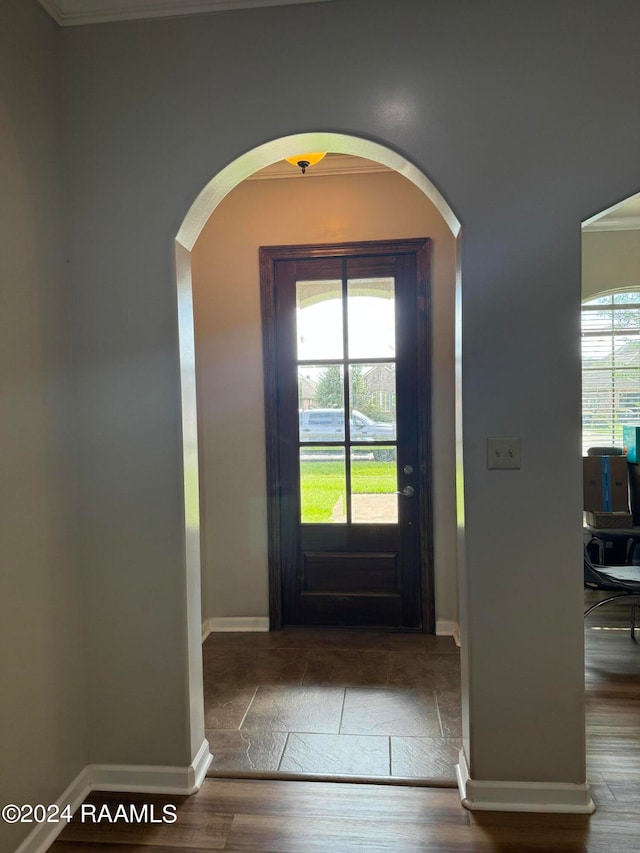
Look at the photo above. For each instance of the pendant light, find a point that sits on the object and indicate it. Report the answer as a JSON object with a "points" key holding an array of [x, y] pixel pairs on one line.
{"points": [[306, 160]]}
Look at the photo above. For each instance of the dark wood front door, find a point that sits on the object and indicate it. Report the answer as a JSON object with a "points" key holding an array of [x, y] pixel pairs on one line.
{"points": [[347, 422]]}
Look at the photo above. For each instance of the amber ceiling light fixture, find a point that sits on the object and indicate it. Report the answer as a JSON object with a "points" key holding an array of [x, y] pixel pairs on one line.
{"points": [[306, 160]]}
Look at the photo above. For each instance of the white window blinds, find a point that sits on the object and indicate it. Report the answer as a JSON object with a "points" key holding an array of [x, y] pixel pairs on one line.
{"points": [[610, 367]]}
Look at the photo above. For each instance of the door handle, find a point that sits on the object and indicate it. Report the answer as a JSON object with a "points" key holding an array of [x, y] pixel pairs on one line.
{"points": [[408, 492]]}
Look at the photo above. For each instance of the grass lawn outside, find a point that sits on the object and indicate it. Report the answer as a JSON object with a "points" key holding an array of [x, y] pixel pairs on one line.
{"points": [[322, 484]]}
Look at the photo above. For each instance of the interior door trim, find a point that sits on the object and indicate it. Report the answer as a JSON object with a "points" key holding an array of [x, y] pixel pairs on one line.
{"points": [[269, 256]]}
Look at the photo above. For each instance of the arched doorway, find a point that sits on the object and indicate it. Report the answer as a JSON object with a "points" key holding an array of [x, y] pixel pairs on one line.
{"points": [[207, 202]]}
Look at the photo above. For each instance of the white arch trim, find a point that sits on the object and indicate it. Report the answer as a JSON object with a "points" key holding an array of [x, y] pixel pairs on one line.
{"points": [[278, 149], [201, 209]]}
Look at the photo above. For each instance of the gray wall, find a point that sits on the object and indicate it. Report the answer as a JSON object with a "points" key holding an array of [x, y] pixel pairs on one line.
{"points": [[42, 713], [508, 109]]}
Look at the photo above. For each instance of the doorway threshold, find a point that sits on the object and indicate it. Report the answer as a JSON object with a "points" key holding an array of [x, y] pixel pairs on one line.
{"points": [[278, 776]]}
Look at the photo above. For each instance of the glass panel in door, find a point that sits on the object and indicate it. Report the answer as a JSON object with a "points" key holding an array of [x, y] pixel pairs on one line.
{"points": [[372, 401], [321, 402], [322, 485], [374, 486], [319, 310], [371, 317]]}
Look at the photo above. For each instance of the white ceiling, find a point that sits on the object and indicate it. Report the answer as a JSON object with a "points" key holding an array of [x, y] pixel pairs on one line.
{"points": [[621, 217], [69, 13]]}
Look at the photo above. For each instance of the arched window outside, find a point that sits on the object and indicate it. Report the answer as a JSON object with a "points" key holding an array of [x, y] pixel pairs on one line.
{"points": [[610, 367]]}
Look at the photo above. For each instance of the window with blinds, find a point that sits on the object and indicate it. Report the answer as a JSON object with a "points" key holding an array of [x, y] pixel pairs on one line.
{"points": [[610, 367]]}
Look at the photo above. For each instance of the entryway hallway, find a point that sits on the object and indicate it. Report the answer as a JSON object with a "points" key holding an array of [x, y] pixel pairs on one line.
{"points": [[368, 704]]}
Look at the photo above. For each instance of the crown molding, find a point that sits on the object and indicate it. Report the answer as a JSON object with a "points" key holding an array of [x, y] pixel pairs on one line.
{"points": [[72, 13], [621, 223], [333, 165]]}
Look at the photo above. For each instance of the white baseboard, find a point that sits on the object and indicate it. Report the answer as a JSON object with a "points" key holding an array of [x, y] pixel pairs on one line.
{"points": [[447, 628], [200, 765], [234, 623], [120, 777], [558, 797], [44, 834], [152, 779]]}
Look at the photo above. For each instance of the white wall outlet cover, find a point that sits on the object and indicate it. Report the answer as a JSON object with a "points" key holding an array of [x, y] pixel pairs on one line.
{"points": [[503, 453]]}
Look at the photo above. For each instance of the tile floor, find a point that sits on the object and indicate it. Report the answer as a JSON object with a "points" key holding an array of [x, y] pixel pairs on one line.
{"points": [[333, 703]]}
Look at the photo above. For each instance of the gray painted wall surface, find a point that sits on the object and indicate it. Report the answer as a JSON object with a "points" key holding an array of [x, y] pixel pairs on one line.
{"points": [[42, 712]]}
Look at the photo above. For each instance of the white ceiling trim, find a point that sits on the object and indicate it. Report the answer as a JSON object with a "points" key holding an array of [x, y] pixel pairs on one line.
{"points": [[622, 223], [71, 13], [332, 166]]}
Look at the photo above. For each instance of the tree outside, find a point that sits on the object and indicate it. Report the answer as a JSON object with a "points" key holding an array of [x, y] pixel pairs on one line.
{"points": [[330, 388], [330, 391]]}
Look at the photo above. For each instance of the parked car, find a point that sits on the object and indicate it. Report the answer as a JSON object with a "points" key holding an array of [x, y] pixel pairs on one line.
{"points": [[328, 425]]}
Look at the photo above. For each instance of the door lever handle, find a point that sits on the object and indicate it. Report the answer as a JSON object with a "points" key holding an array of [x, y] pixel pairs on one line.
{"points": [[408, 492]]}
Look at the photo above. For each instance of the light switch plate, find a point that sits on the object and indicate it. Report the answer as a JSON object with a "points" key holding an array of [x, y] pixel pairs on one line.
{"points": [[503, 453]]}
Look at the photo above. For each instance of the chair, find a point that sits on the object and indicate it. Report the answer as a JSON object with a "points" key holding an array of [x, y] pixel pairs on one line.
{"points": [[624, 581]]}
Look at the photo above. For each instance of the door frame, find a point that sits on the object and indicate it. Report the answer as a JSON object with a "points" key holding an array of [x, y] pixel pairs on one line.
{"points": [[269, 255]]}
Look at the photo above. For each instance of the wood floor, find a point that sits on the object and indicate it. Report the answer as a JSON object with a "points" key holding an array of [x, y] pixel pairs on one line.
{"points": [[612, 681], [258, 816], [363, 704]]}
